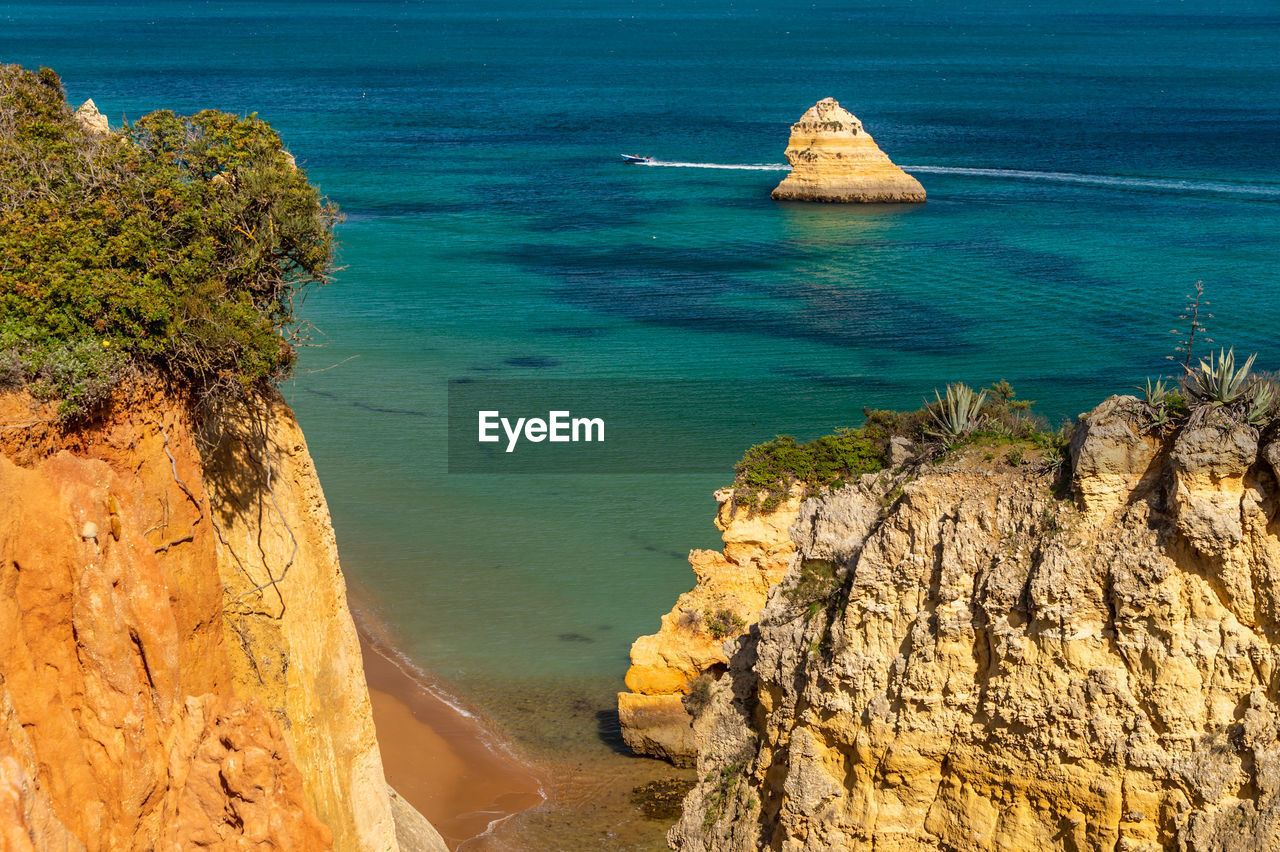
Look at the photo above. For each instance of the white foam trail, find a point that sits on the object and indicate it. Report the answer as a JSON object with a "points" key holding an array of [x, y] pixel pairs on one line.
{"points": [[1163, 184], [493, 826], [750, 167], [398, 659]]}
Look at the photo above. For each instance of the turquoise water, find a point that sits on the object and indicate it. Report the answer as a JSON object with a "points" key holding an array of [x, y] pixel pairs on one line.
{"points": [[1084, 170]]}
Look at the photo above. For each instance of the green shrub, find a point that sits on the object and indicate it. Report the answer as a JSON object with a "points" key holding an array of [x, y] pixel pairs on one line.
{"points": [[177, 244], [881, 425], [767, 471], [726, 782], [699, 695], [79, 372], [816, 583], [724, 623]]}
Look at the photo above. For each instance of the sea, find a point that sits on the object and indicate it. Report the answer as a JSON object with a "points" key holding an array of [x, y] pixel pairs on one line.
{"points": [[1086, 163]]}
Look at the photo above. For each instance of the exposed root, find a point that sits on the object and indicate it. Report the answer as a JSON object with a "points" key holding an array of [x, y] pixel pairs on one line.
{"points": [[173, 465], [272, 580]]}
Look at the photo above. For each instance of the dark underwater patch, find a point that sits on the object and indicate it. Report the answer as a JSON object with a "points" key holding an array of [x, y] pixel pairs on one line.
{"points": [[831, 380], [571, 331], [699, 289], [537, 362], [364, 406]]}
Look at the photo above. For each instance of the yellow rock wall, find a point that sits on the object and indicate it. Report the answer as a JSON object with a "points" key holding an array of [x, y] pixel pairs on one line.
{"points": [[980, 665], [293, 643], [833, 158], [730, 592]]}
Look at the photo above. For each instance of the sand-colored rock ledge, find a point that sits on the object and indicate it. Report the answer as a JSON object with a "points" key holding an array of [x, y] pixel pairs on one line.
{"points": [[834, 159], [727, 599]]}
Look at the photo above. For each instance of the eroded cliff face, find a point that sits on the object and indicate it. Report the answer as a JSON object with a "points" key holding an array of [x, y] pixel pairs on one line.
{"points": [[285, 608], [833, 158], [179, 667], [729, 594], [975, 664]]}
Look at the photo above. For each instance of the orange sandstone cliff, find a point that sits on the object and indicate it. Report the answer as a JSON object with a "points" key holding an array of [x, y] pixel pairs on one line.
{"points": [[178, 667], [833, 158]]}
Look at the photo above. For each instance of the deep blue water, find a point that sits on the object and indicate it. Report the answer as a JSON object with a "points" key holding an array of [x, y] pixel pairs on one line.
{"points": [[1085, 168]]}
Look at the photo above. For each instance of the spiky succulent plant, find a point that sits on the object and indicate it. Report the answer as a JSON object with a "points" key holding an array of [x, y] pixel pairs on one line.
{"points": [[1262, 402], [1155, 394], [1218, 381], [959, 412]]}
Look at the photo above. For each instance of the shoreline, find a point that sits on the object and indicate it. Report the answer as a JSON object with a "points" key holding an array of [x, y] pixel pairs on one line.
{"points": [[439, 756], [507, 783]]}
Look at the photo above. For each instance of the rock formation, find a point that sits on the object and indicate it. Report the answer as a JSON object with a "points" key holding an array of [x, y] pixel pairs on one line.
{"points": [[978, 664], [833, 159], [730, 592], [178, 668], [88, 117]]}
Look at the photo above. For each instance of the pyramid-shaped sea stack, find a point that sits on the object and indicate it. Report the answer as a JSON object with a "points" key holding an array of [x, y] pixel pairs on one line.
{"points": [[833, 159]]}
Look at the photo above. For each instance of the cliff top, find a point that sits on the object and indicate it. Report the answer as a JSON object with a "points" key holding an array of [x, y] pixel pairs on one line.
{"points": [[770, 472], [175, 244]]}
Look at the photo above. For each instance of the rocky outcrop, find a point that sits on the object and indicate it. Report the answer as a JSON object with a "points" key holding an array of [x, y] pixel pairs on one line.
{"points": [[730, 592], [413, 832], [833, 158], [179, 669], [977, 664], [88, 117]]}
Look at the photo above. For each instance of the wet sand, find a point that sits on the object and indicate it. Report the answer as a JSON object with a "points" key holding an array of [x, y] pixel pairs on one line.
{"points": [[442, 761], [567, 785]]}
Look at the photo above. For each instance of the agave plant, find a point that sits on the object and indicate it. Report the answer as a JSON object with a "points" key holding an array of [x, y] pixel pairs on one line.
{"points": [[959, 412], [1155, 394], [1218, 381], [1262, 402]]}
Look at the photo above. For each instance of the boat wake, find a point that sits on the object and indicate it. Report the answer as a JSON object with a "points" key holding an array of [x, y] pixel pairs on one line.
{"points": [[1263, 191], [750, 167], [1159, 184]]}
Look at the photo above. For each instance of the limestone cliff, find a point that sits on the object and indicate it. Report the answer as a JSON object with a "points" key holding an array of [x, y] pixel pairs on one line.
{"points": [[730, 592], [833, 158], [963, 660], [179, 669]]}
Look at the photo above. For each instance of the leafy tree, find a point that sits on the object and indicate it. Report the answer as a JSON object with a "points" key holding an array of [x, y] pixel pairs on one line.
{"points": [[178, 244]]}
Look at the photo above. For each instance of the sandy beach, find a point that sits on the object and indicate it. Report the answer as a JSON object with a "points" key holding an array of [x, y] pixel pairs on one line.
{"points": [[483, 796], [443, 761]]}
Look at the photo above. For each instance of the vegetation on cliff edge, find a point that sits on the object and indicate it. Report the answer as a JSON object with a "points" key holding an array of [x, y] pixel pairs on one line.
{"points": [[768, 472], [177, 243]]}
